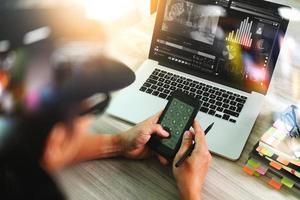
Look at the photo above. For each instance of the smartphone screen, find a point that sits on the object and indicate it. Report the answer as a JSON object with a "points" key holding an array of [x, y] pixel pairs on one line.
{"points": [[175, 121], [176, 118]]}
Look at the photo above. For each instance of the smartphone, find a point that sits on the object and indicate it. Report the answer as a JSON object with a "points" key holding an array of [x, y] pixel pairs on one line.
{"points": [[177, 117]]}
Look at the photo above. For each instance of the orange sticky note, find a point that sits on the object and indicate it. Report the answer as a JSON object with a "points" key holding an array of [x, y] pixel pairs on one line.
{"points": [[248, 170], [275, 184], [276, 165], [283, 161]]}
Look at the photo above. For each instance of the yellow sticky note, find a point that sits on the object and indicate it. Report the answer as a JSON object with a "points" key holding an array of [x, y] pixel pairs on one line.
{"points": [[266, 152], [287, 182], [253, 163]]}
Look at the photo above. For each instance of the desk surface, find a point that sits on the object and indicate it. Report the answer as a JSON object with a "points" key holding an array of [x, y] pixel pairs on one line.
{"points": [[128, 179]]}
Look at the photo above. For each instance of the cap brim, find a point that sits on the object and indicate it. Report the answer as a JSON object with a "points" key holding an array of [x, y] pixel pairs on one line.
{"points": [[98, 75]]}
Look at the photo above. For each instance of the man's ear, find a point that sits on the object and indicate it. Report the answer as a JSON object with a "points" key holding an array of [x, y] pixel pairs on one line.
{"points": [[54, 147]]}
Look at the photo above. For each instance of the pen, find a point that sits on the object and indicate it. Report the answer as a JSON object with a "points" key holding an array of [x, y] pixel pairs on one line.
{"points": [[191, 148]]}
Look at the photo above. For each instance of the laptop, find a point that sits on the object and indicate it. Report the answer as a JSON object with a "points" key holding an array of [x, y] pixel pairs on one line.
{"points": [[222, 52]]}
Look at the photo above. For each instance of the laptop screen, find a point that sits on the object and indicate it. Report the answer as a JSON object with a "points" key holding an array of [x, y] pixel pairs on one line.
{"points": [[235, 43]]}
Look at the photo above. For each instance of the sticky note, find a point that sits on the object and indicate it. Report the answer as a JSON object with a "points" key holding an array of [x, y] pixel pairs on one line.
{"points": [[262, 170], [295, 162], [283, 161], [253, 163], [258, 149], [287, 182], [275, 165], [266, 152], [248, 170], [275, 184], [256, 174]]}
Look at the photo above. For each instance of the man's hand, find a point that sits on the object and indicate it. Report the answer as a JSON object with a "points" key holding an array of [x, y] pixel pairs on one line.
{"points": [[134, 140], [191, 174]]}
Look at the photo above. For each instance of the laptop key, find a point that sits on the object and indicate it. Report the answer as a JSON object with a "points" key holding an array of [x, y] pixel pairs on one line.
{"points": [[212, 101], [225, 106], [160, 84], [172, 88], [220, 109], [229, 112], [166, 86], [154, 77], [180, 85], [206, 104], [212, 96], [218, 103], [218, 115], [143, 89], [160, 89], [154, 87], [166, 91], [204, 109], [146, 84], [193, 90], [225, 95], [212, 107], [226, 117], [232, 120], [241, 100], [186, 87], [239, 105], [198, 86], [199, 92], [233, 103], [233, 108], [149, 91], [155, 93], [226, 101], [205, 98], [218, 93], [167, 81], [232, 98], [211, 112], [162, 95]]}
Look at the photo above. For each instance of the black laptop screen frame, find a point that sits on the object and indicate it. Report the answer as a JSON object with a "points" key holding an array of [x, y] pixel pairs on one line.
{"points": [[263, 6]]}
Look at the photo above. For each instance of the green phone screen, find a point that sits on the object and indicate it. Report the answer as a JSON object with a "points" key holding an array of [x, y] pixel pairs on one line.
{"points": [[175, 120]]}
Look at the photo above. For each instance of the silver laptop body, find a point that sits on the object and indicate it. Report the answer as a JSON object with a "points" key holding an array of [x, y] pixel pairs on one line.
{"points": [[221, 52]]}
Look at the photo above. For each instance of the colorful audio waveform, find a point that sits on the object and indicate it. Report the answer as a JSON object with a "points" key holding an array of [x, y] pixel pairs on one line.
{"points": [[243, 34]]}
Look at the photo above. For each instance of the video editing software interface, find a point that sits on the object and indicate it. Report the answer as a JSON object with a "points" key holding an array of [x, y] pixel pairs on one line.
{"points": [[230, 42]]}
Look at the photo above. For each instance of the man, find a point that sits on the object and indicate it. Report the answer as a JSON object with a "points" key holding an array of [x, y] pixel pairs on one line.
{"points": [[47, 132], [45, 127]]}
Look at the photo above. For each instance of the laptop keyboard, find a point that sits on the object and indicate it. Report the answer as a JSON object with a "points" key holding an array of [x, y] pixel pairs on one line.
{"points": [[213, 101]]}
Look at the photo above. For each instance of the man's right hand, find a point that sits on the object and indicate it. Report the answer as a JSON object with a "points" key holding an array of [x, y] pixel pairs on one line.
{"points": [[191, 174]]}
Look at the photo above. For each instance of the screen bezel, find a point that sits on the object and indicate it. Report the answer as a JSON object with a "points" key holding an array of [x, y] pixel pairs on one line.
{"points": [[273, 59], [156, 143]]}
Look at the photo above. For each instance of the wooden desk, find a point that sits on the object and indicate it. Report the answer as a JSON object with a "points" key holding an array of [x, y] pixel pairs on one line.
{"points": [[128, 179]]}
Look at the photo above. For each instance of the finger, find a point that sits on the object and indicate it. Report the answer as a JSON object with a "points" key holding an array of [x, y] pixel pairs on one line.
{"points": [[187, 141], [158, 130], [162, 160], [199, 137]]}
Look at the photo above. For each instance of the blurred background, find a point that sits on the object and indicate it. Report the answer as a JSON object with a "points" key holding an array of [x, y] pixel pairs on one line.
{"points": [[119, 36]]}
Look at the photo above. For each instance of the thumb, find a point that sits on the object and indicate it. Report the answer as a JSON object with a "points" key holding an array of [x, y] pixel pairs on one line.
{"points": [[187, 141], [159, 131]]}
